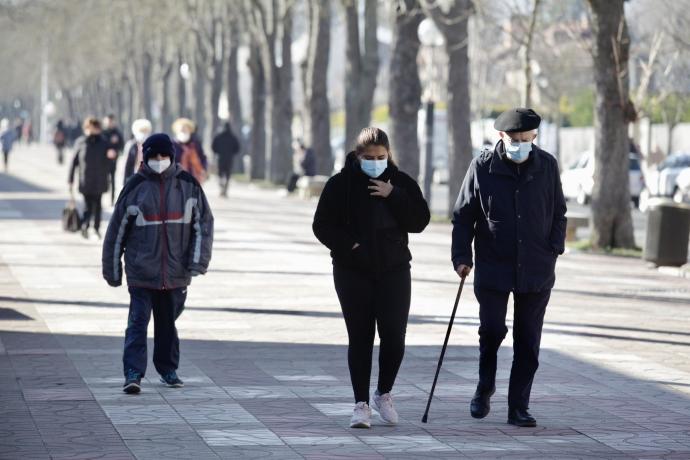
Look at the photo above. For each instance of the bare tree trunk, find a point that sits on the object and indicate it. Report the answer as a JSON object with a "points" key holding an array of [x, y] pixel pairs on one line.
{"points": [[405, 88], [70, 104], [200, 76], [218, 69], [611, 220], [166, 106], [316, 85], [216, 89], [460, 137], [452, 22], [258, 134], [129, 100], [147, 85], [233, 82], [270, 23], [233, 93], [281, 146], [361, 70], [527, 101]]}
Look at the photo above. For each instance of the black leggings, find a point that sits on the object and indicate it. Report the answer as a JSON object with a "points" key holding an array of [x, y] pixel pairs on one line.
{"points": [[369, 302], [93, 208]]}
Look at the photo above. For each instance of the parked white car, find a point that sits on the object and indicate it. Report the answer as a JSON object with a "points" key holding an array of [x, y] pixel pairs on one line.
{"points": [[578, 180], [682, 193], [662, 181]]}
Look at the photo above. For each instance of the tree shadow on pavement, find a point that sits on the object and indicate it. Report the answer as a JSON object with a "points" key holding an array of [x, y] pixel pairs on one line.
{"points": [[9, 183]]}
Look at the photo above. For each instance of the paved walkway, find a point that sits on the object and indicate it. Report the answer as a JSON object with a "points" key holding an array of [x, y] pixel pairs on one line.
{"points": [[264, 356]]}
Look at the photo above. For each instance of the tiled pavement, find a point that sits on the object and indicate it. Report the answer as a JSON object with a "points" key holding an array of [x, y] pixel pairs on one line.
{"points": [[264, 359]]}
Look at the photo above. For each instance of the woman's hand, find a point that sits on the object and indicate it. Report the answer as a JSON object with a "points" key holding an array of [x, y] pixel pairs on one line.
{"points": [[380, 188]]}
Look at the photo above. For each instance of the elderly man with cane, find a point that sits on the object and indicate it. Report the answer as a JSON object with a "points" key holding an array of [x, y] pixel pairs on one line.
{"points": [[511, 204]]}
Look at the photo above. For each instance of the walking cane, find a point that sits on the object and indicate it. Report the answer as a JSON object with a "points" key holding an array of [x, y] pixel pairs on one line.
{"points": [[443, 350]]}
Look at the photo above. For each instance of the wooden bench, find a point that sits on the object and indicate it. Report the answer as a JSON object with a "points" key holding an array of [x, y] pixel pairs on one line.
{"points": [[311, 186], [575, 221]]}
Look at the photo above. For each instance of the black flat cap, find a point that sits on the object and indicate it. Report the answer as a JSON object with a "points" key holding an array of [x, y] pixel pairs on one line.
{"points": [[517, 120], [158, 143]]}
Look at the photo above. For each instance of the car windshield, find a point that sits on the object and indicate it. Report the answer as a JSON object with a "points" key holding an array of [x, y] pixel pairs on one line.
{"points": [[676, 161]]}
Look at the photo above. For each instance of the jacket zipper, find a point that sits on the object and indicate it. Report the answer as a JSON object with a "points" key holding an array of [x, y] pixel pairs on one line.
{"points": [[164, 243]]}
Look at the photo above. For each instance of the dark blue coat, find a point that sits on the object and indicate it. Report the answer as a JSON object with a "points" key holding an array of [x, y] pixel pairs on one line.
{"points": [[516, 216]]}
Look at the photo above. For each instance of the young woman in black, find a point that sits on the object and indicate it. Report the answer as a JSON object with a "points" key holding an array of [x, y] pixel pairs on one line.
{"points": [[363, 217]]}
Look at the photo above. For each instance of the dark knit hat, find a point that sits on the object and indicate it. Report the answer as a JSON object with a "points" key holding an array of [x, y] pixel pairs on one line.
{"points": [[158, 143], [517, 120]]}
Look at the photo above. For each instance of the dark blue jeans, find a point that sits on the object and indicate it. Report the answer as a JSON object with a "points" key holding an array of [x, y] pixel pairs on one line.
{"points": [[167, 305]]}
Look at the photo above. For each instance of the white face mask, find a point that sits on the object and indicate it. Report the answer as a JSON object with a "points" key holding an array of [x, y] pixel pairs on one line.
{"points": [[140, 137], [159, 166], [183, 136]]}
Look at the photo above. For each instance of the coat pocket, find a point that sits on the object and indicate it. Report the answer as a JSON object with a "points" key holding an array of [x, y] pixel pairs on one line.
{"points": [[395, 251]]}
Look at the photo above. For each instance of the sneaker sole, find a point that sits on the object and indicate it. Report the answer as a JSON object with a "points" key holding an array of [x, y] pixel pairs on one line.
{"points": [[172, 385], [132, 389], [360, 425]]}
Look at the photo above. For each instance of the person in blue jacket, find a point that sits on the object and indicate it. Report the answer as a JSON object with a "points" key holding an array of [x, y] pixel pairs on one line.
{"points": [[511, 205]]}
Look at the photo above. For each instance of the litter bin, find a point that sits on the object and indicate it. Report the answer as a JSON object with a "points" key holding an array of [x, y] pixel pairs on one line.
{"points": [[668, 227]]}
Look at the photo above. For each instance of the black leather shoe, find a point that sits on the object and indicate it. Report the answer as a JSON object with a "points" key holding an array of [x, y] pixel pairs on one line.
{"points": [[481, 403], [520, 417]]}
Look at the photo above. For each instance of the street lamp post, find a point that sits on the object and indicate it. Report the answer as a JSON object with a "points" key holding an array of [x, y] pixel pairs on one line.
{"points": [[431, 38]]}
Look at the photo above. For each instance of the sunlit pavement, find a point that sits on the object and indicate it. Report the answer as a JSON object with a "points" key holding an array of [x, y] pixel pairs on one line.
{"points": [[264, 355]]}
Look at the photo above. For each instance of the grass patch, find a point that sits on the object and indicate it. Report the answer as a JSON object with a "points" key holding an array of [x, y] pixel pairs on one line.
{"points": [[586, 246], [440, 219]]}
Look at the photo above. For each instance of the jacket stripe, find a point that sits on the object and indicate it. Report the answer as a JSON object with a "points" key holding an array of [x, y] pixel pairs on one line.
{"points": [[197, 233], [156, 219], [131, 211]]}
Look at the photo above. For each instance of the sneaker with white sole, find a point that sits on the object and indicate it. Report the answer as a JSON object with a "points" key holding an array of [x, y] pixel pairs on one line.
{"points": [[172, 380], [383, 404], [361, 416]]}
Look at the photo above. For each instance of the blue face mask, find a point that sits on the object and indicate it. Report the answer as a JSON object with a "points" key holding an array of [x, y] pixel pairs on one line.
{"points": [[373, 168], [518, 151]]}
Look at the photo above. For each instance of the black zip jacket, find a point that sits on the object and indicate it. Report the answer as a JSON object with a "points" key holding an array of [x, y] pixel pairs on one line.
{"points": [[92, 163], [516, 217], [348, 214]]}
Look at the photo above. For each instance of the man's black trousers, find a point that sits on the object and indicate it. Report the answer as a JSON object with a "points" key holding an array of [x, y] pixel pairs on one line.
{"points": [[369, 302], [528, 319]]}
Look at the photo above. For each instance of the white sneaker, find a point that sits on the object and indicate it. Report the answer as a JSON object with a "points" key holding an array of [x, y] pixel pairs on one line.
{"points": [[361, 417], [383, 404]]}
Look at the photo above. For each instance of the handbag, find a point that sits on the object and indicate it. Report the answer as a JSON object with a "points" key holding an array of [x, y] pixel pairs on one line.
{"points": [[71, 221]]}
